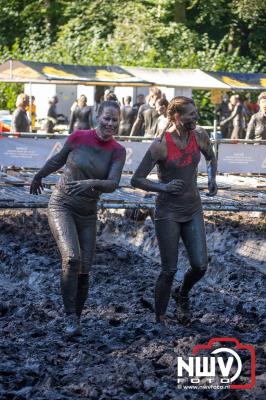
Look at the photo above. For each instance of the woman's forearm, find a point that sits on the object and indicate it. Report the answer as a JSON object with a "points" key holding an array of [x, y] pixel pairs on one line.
{"points": [[104, 186], [148, 185], [53, 164], [212, 169]]}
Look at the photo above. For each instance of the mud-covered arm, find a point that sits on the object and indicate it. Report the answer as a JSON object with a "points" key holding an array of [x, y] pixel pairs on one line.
{"points": [[155, 153], [211, 162], [53, 164], [232, 116], [251, 128], [90, 122], [138, 122], [102, 185], [72, 121], [111, 183]]}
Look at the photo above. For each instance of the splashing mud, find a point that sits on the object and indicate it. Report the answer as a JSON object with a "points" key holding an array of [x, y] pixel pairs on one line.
{"points": [[123, 354]]}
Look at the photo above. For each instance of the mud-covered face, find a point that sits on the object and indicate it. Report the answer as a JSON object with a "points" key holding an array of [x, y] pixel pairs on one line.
{"points": [[108, 122], [263, 106], [160, 109], [188, 118]]}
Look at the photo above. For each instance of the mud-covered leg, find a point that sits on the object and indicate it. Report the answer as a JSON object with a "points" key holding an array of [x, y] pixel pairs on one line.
{"points": [[194, 238], [64, 231], [168, 233], [86, 227]]}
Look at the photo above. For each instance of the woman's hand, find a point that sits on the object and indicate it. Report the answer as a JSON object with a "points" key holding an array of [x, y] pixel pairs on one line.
{"points": [[175, 186], [77, 187], [213, 188], [36, 186]]}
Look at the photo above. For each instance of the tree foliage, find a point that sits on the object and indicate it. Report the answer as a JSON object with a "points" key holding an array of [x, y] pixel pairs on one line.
{"points": [[208, 34]]}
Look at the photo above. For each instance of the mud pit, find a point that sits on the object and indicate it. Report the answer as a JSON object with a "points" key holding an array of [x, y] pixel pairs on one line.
{"points": [[122, 354]]}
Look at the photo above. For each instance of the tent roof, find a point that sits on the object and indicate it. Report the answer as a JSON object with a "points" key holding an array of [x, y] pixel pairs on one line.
{"points": [[240, 80], [197, 79], [193, 78], [36, 72]]}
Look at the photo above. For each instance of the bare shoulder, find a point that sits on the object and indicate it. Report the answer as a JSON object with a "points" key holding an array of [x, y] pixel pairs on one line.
{"points": [[158, 149], [201, 134]]}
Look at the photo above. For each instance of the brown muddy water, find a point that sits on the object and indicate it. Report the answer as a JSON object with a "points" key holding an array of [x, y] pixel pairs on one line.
{"points": [[122, 353]]}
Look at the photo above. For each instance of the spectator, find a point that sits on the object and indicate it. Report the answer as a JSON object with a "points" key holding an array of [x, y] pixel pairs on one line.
{"points": [[257, 125], [81, 116], [20, 121], [136, 106], [31, 113], [52, 115], [162, 121], [140, 101], [236, 117], [127, 117], [223, 112], [147, 114], [109, 95]]}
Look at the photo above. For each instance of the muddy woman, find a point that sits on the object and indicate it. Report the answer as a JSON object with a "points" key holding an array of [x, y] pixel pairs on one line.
{"points": [[178, 210], [93, 163]]}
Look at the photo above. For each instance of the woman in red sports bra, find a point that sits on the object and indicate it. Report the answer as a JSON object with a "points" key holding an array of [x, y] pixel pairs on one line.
{"points": [[178, 210]]}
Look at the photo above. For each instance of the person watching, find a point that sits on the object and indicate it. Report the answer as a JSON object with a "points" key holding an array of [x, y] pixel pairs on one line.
{"points": [[257, 125], [20, 121]]}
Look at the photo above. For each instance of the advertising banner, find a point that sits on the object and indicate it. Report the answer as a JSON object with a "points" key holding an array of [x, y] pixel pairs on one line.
{"points": [[241, 158], [33, 153]]}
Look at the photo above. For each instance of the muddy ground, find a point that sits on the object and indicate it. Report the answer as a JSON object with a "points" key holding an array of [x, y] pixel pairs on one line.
{"points": [[123, 354]]}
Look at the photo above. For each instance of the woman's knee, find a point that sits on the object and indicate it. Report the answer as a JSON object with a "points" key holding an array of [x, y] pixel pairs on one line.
{"points": [[71, 262], [200, 268], [168, 272]]}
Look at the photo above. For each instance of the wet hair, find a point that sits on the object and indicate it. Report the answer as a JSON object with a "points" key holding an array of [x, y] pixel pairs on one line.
{"points": [[155, 91], [262, 96], [108, 103], [128, 99], [177, 105], [109, 94], [82, 99], [162, 102]]}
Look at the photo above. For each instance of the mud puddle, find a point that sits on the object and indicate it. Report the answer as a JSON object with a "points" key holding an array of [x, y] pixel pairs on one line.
{"points": [[123, 354]]}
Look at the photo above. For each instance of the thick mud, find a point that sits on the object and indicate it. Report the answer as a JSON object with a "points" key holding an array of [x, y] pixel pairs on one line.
{"points": [[122, 353]]}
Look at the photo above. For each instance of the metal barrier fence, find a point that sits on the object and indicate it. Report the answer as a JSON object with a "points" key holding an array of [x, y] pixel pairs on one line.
{"points": [[29, 151]]}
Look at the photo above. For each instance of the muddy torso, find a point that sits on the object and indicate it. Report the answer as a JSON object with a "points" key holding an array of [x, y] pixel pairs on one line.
{"points": [[82, 117], [179, 164], [90, 158], [128, 116], [150, 119], [258, 126]]}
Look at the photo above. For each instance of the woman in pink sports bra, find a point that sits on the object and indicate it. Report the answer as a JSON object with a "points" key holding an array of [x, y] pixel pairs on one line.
{"points": [[178, 210]]}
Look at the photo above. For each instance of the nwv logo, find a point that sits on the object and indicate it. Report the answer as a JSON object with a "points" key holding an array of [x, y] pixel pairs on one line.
{"points": [[222, 365]]}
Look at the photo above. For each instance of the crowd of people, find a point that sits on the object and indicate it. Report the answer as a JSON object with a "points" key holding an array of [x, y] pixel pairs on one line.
{"points": [[240, 119], [147, 117]]}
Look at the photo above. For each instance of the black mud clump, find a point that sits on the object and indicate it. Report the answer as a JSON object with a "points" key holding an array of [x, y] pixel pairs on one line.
{"points": [[122, 353]]}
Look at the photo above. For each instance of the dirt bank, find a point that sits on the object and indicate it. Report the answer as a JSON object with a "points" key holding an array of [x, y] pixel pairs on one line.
{"points": [[122, 354]]}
